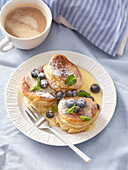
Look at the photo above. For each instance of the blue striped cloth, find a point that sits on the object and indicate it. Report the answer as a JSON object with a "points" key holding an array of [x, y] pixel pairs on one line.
{"points": [[102, 22]]}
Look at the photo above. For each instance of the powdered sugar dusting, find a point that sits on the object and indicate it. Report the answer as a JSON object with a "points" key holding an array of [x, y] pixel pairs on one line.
{"points": [[45, 94], [86, 111], [48, 92], [59, 71], [54, 85], [62, 105]]}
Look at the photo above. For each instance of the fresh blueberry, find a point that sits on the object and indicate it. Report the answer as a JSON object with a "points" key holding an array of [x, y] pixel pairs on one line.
{"points": [[74, 93], [98, 106], [59, 95], [41, 76], [68, 93], [81, 103], [95, 88], [91, 98], [77, 109], [82, 91], [50, 114], [70, 103], [43, 83], [35, 73]]}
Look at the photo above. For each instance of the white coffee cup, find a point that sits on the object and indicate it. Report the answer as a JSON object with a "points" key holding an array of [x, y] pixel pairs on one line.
{"points": [[24, 43]]}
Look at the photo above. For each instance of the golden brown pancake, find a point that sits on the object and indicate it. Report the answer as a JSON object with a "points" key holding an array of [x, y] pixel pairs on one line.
{"points": [[35, 95], [42, 99], [58, 69], [73, 123]]}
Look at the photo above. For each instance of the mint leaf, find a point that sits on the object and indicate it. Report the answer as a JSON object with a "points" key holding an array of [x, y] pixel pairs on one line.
{"points": [[37, 86], [85, 118], [32, 89], [83, 94], [70, 80], [38, 82], [54, 109], [70, 110], [71, 83]]}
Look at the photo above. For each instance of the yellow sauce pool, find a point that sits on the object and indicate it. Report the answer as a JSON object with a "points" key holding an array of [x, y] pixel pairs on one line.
{"points": [[88, 80]]}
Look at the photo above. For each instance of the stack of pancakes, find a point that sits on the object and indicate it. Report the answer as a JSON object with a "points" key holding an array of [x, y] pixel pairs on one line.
{"points": [[41, 102], [56, 71], [72, 123]]}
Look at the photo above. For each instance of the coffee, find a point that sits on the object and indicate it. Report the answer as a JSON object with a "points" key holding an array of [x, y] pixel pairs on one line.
{"points": [[25, 22]]}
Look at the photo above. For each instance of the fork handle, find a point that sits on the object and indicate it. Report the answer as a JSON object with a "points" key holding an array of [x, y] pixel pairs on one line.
{"points": [[74, 148]]}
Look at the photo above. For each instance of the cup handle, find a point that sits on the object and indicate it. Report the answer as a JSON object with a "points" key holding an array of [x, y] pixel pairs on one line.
{"points": [[4, 42]]}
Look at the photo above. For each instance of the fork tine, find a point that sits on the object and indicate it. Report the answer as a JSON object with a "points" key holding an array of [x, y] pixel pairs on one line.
{"points": [[33, 114], [38, 114], [30, 116]]}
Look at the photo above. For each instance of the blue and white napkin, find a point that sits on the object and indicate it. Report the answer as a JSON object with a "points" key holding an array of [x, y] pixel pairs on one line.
{"points": [[102, 22]]}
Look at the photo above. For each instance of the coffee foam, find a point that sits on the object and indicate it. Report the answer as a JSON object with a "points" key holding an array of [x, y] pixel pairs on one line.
{"points": [[25, 22]]}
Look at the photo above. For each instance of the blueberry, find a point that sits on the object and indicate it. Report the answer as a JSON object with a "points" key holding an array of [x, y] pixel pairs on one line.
{"points": [[68, 93], [70, 103], [59, 95], [91, 98], [50, 114], [41, 76], [82, 91], [43, 83], [81, 103], [74, 93], [98, 106], [95, 88], [77, 109], [35, 73]]}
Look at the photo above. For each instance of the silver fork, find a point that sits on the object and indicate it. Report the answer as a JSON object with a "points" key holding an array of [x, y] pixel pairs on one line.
{"points": [[38, 120]]}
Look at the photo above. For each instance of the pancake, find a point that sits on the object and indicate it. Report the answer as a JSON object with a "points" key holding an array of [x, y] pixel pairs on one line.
{"points": [[42, 99], [72, 123], [47, 94], [58, 69]]}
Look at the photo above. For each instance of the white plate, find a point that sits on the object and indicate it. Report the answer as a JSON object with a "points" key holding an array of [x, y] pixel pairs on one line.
{"points": [[15, 105]]}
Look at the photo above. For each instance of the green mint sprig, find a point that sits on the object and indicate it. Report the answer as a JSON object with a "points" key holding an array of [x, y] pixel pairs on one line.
{"points": [[54, 109], [85, 118], [83, 94], [70, 110], [70, 80]]}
